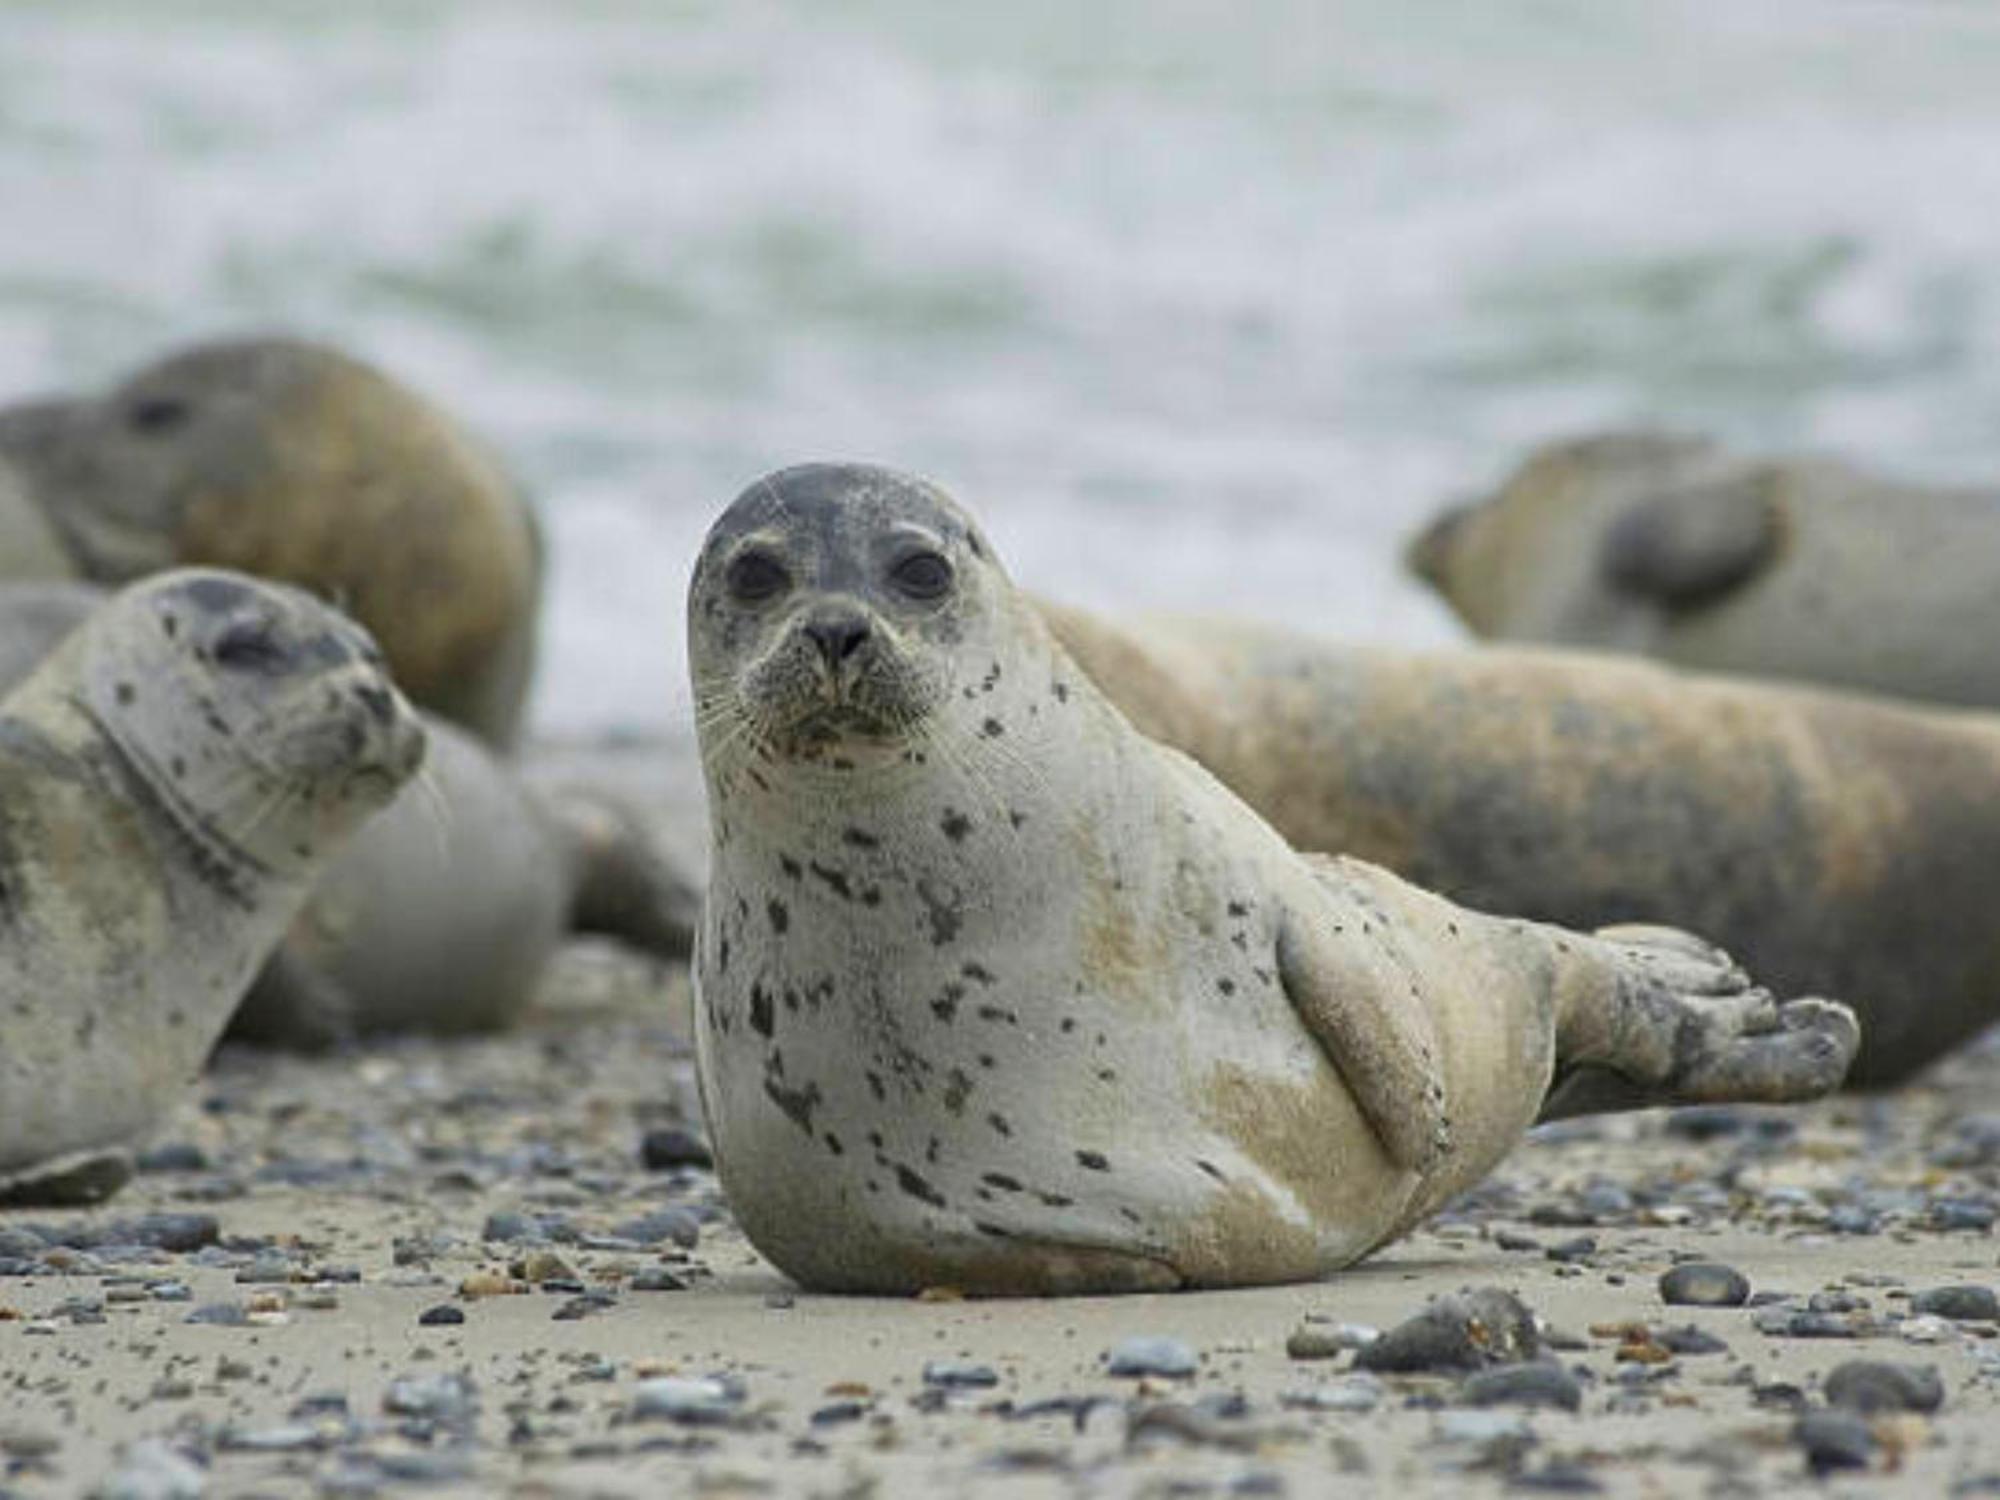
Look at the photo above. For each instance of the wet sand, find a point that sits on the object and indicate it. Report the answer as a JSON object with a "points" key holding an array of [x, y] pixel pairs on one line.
{"points": [[618, 1337]]}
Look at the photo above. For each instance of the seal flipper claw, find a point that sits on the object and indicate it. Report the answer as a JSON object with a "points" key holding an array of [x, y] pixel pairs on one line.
{"points": [[1386, 1054]]}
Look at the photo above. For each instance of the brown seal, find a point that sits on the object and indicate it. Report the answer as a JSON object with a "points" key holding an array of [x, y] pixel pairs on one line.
{"points": [[293, 461], [1676, 548]]}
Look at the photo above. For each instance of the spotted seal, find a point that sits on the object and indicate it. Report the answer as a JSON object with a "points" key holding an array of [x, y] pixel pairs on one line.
{"points": [[1674, 547], [994, 992], [294, 461], [443, 912], [171, 780]]}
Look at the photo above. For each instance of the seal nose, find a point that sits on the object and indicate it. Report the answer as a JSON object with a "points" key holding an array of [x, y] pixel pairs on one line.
{"points": [[838, 635]]}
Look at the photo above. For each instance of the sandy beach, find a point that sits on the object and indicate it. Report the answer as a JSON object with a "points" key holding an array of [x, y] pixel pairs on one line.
{"points": [[495, 1267]]}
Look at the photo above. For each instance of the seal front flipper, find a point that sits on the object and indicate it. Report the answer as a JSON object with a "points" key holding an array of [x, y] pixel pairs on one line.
{"points": [[1688, 547], [1387, 1054]]}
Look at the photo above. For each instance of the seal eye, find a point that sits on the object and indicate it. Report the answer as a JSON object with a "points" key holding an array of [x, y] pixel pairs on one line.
{"points": [[922, 575], [757, 576], [153, 414], [248, 646]]}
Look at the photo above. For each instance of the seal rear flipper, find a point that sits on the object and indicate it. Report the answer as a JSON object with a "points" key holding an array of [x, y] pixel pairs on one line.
{"points": [[1670, 1019], [1688, 547], [1383, 1045], [624, 883]]}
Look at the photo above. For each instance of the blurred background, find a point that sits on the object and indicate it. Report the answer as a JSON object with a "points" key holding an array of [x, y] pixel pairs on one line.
{"points": [[1200, 306]]}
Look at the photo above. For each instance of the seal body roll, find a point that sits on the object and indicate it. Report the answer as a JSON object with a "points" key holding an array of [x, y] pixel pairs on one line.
{"points": [[996, 993], [171, 779]]}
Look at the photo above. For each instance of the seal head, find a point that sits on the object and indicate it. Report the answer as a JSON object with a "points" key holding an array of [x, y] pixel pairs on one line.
{"points": [[832, 610]]}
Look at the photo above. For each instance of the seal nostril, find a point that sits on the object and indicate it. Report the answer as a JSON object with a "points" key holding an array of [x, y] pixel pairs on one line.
{"points": [[838, 637], [377, 701]]}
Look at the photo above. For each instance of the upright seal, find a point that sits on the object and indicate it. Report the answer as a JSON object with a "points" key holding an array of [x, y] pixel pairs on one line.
{"points": [[293, 461], [1676, 548], [171, 780], [993, 992]]}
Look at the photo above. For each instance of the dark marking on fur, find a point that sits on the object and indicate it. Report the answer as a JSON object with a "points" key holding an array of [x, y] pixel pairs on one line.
{"points": [[857, 838], [957, 1089], [1094, 1160], [917, 1188], [835, 880], [763, 1018], [956, 825], [781, 917]]}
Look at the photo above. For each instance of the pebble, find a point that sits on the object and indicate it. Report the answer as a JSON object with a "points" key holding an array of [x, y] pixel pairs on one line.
{"points": [[1704, 1283], [1312, 1342], [154, 1470], [1869, 1385], [959, 1374], [1358, 1392], [1483, 1427], [657, 1279], [668, 1225], [443, 1314], [1962, 1304], [1689, 1339], [449, 1399], [221, 1314], [1532, 1384], [1801, 1323], [690, 1402], [670, 1146], [1962, 1213], [1463, 1331], [1568, 1252], [1150, 1356], [1833, 1440]]}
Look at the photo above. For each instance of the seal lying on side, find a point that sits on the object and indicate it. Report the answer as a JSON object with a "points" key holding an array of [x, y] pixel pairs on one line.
{"points": [[443, 913], [1676, 548], [1835, 844], [171, 781], [994, 992], [292, 461]]}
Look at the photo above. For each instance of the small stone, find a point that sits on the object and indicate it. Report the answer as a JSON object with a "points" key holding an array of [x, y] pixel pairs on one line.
{"points": [[657, 1279], [541, 1266], [1310, 1341], [1349, 1393], [449, 1398], [1569, 1252], [1798, 1323], [153, 1470], [1704, 1283], [1689, 1339], [488, 1283], [673, 1225], [1533, 1384], [1975, 1214], [221, 1314], [444, 1314], [1557, 1477], [509, 1227], [175, 1156], [959, 1375], [1868, 1386], [1962, 1304], [1463, 1331], [1151, 1356], [690, 1402], [1833, 1440], [1925, 1330], [178, 1233], [27, 1445], [670, 1146], [1483, 1427]]}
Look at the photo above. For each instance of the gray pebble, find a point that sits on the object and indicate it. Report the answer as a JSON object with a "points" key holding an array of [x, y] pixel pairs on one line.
{"points": [[450, 1398], [444, 1314], [1833, 1440], [1349, 1393], [1871, 1385], [959, 1374], [1150, 1356], [1464, 1331], [691, 1402], [657, 1279], [1962, 1304], [1483, 1427], [1534, 1384], [1689, 1339], [221, 1314], [669, 1224], [154, 1470], [1704, 1283], [669, 1147]]}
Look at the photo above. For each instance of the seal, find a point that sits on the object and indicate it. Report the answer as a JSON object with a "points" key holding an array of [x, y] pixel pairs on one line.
{"points": [[171, 780], [1676, 548], [294, 461], [442, 913], [994, 992], [1835, 843]]}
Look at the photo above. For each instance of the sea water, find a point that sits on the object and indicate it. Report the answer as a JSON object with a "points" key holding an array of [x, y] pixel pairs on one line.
{"points": [[1202, 306]]}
